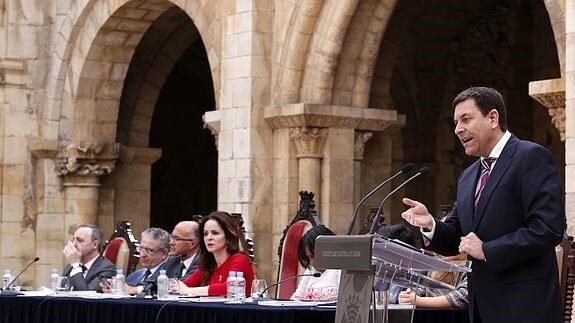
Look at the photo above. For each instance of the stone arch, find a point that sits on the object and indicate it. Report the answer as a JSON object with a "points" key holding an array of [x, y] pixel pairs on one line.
{"points": [[556, 12], [361, 48], [101, 35]]}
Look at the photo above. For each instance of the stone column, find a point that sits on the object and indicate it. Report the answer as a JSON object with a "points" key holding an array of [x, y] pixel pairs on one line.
{"points": [[81, 165], [309, 145], [570, 117], [361, 138]]}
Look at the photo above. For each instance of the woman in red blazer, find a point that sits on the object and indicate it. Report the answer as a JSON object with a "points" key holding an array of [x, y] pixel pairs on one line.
{"points": [[219, 254]]}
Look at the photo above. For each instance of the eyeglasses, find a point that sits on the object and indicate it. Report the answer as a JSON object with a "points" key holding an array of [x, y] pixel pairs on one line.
{"points": [[176, 239], [147, 250]]}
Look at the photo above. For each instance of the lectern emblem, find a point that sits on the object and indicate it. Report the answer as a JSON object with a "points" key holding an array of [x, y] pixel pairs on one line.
{"points": [[352, 305]]}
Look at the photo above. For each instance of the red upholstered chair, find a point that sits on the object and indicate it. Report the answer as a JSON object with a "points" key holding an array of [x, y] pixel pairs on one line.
{"points": [[289, 266], [121, 248]]}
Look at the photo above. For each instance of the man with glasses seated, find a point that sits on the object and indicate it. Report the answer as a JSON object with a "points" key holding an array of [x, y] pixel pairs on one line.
{"points": [[154, 248], [184, 257]]}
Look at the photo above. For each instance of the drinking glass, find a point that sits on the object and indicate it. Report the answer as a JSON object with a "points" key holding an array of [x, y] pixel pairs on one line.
{"points": [[174, 288], [258, 288], [63, 286]]}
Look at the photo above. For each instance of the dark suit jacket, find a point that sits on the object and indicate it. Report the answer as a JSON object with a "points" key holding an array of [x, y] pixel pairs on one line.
{"points": [[520, 218], [101, 267], [173, 266], [136, 277]]}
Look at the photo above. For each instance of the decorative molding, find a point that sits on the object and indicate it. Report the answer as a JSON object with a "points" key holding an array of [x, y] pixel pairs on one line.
{"points": [[331, 116], [361, 138], [212, 122], [12, 72], [551, 94], [308, 141], [86, 159]]}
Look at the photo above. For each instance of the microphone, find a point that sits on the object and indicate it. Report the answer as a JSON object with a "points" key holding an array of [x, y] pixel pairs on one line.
{"points": [[422, 172], [404, 170], [7, 291], [261, 294]]}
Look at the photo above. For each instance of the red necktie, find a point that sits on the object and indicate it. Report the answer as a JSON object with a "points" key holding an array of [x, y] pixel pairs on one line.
{"points": [[485, 170]]}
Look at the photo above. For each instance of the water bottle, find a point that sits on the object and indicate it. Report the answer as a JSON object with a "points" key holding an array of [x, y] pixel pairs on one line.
{"points": [[54, 279], [240, 287], [231, 286], [118, 282], [6, 279], [163, 282]]}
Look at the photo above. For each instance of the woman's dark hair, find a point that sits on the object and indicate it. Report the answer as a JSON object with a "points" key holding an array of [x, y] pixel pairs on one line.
{"points": [[207, 261], [308, 241], [399, 232]]}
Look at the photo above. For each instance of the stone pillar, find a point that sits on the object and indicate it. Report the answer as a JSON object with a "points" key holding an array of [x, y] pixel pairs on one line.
{"points": [[80, 165], [309, 145], [570, 117], [361, 138]]}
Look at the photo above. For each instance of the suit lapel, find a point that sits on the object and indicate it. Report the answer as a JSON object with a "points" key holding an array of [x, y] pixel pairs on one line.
{"points": [[495, 176]]}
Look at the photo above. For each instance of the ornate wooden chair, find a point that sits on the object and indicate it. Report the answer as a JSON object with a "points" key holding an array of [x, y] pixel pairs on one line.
{"points": [[122, 248], [566, 263], [305, 218], [369, 221]]}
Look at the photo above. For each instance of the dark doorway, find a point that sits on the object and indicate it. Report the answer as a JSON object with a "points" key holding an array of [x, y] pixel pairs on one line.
{"points": [[184, 179]]}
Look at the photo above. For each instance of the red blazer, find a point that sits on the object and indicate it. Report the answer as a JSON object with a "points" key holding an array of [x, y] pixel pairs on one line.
{"points": [[217, 284]]}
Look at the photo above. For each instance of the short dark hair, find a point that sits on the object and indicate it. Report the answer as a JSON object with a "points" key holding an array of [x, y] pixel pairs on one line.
{"points": [[399, 232], [308, 241], [486, 99]]}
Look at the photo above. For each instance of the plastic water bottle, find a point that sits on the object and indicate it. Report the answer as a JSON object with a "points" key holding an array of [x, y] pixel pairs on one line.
{"points": [[6, 279], [54, 279], [231, 286], [118, 282], [163, 282], [240, 287]]}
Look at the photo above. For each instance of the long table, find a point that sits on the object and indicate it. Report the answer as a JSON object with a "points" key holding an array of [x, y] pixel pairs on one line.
{"points": [[50, 309]]}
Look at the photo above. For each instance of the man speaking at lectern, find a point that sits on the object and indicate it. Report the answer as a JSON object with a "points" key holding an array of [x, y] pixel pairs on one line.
{"points": [[508, 218]]}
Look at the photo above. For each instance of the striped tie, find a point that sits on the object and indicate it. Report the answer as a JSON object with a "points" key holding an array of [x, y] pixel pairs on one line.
{"points": [[485, 170]]}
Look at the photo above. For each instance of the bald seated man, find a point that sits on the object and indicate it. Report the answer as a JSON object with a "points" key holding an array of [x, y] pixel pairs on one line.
{"points": [[184, 246], [85, 265]]}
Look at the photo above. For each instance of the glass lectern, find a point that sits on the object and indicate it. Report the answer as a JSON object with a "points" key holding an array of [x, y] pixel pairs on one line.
{"points": [[368, 259]]}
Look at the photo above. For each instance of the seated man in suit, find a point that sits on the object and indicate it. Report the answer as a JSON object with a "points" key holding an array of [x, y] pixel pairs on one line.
{"points": [[184, 257], [154, 248], [85, 263]]}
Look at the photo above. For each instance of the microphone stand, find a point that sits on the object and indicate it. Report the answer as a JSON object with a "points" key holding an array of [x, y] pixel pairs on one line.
{"points": [[261, 294], [404, 170], [422, 171], [8, 291]]}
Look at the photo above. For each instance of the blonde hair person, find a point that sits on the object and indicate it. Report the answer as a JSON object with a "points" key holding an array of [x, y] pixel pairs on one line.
{"points": [[440, 298]]}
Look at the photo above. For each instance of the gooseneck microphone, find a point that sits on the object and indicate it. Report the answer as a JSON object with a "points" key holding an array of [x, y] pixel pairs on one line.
{"points": [[261, 295], [7, 291], [404, 170], [422, 172]]}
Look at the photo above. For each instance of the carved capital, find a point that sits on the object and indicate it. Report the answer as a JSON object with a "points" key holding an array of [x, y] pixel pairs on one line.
{"points": [[212, 122], [331, 116], [308, 141], [361, 138], [551, 94], [86, 159]]}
